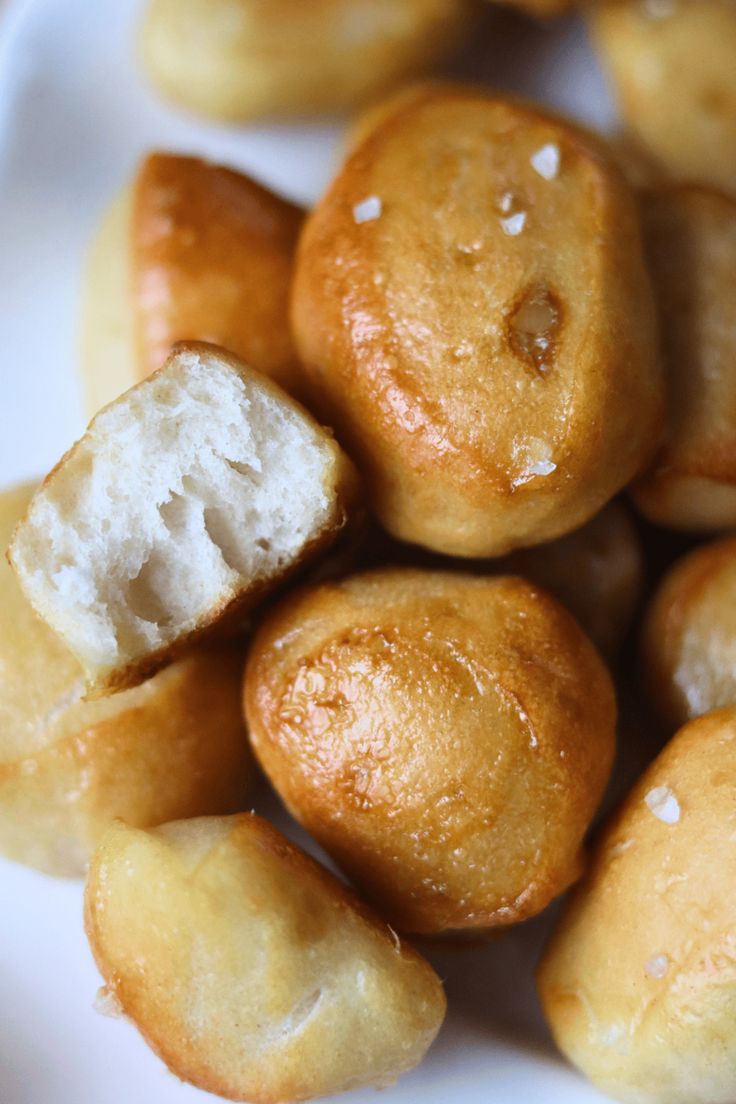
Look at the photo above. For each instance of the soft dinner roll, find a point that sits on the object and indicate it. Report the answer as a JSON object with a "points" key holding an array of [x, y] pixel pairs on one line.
{"points": [[243, 59], [189, 251], [689, 636], [639, 981], [471, 307], [248, 968], [597, 572], [673, 68], [446, 738], [173, 747], [691, 237], [185, 500]]}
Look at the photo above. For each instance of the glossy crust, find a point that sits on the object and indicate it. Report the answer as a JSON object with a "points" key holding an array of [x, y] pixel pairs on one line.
{"points": [[689, 636], [539, 8], [673, 71], [340, 485], [190, 251], [251, 971], [243, 59], [639, 983], [597, 572], [173, 747], [417, 327], [691, 239], [446, 739]]}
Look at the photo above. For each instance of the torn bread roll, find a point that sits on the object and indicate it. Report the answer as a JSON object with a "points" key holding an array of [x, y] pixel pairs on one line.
{"points": [[251, 971], [446, 738], [689, 635], [172, 747], [186, 499], [638, 983], [473, 315], [189, 251], [690, 233], [244, 59]]}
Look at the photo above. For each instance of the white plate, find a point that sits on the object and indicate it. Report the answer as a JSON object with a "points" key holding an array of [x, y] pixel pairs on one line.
{"points": [[74, 118]]}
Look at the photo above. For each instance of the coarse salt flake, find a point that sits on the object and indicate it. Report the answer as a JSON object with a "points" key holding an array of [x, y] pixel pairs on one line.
{"points": [[663, 804], [657, 966], [542, 467], [514, 224], [106, 1003], [368, 209], [546, 161]]}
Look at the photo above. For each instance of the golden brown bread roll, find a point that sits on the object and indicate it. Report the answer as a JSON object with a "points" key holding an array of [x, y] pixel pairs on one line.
{"points": [[638, 983], [189, 251], [473, 315], [251, 971], [173, 747], [187, 499], [689, 635], [446, 738], [673, 67], [691, 238], [243, 59], [596, 571]]}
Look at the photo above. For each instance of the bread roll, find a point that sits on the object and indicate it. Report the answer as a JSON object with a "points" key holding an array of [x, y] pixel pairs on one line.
{"points": [[689, 636], [173, 747], [446, 738], [597, 572], [251, 971], [691, 237], [188, 251], [244, 59], [474, 318], [186, 499], [673, 68], [638, 983]]}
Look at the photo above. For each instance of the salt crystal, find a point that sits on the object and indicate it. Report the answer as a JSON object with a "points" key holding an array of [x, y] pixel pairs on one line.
{"points": [[663, 804], [107, 1004], [514, 224], [368, 209], [657, 967], [542, 467], [546, 161], [506, 202]]}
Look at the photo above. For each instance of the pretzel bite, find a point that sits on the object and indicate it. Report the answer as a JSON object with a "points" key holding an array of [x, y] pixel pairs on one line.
{"points": [[639, 981], [691, 238], [597, 572], [689, 635], [473, 316], [446, 738], [187, 499], [251, 971], [173, 747], [188, 251], [673, 68], [243, 59]]}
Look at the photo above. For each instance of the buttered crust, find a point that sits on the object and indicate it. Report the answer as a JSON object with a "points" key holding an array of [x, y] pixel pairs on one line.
{"points": [[188, 251], [638, 983], [251, 971], [446, 739], [690, 234], [476, 256]]}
